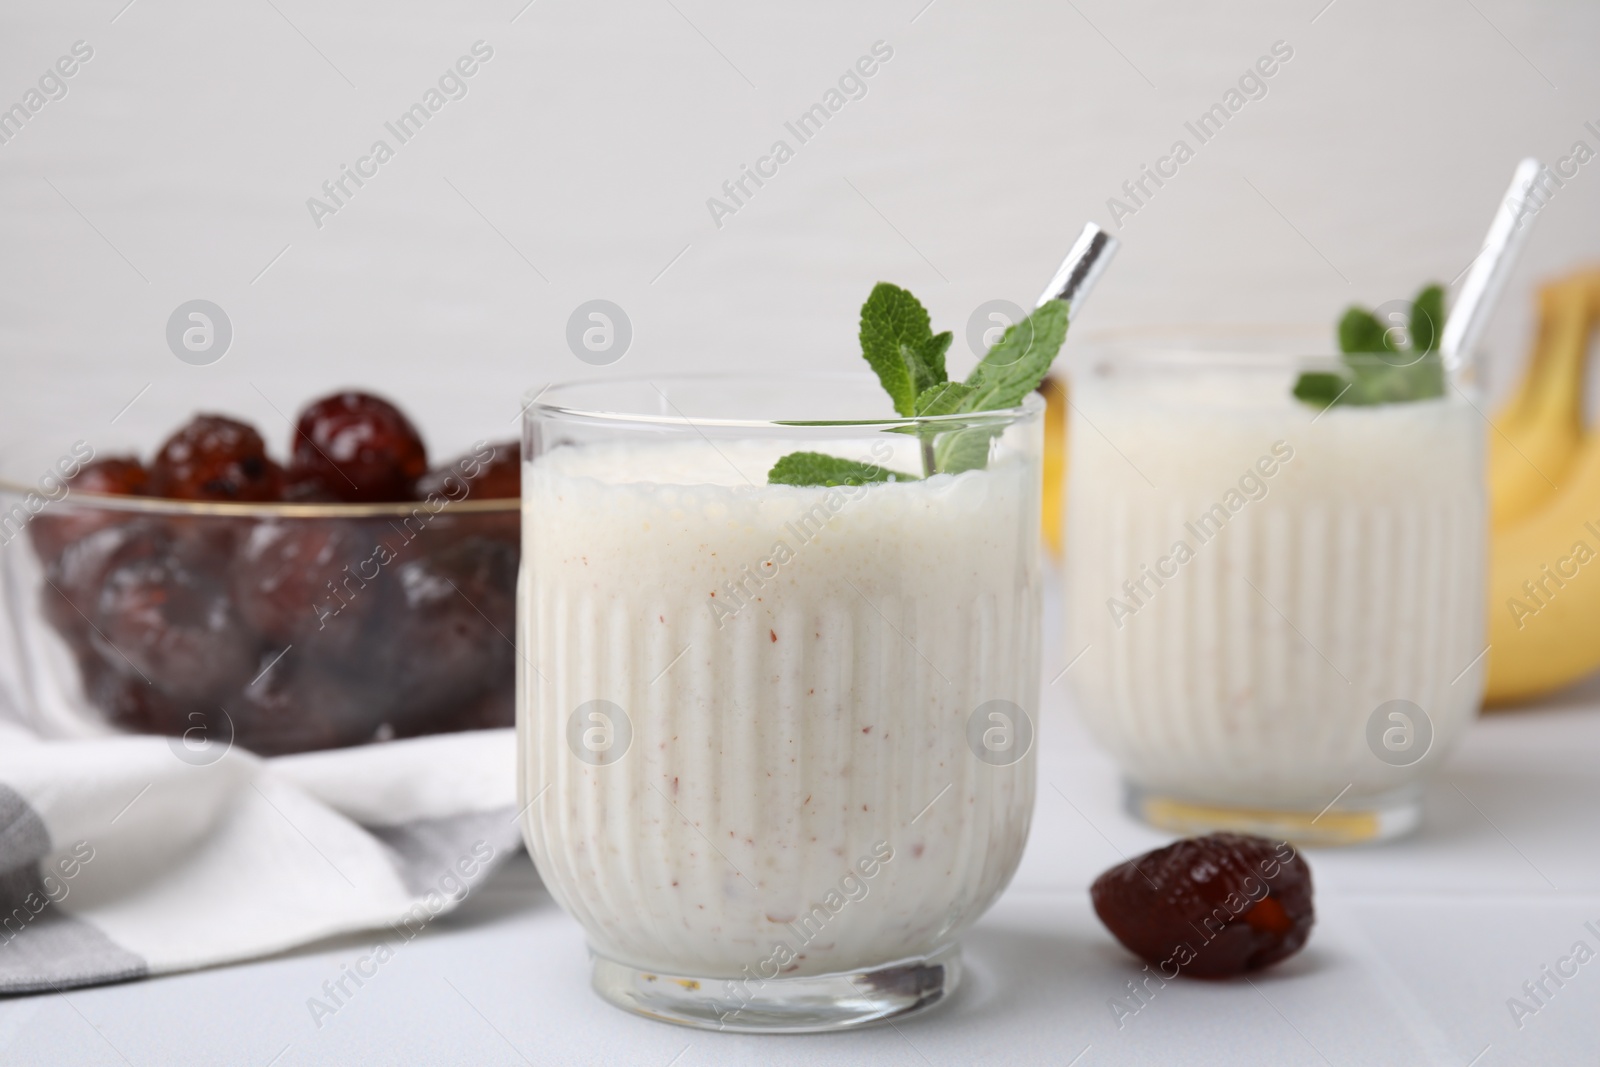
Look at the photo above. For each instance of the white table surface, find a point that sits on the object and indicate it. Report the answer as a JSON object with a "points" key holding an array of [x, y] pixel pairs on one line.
{"points": [[1417, 946]]}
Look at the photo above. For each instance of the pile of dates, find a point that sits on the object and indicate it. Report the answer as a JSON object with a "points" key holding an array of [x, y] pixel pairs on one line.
{"points": [[297, 627]]}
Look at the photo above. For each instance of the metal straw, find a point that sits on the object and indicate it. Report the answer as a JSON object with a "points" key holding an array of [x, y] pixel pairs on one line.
{"points": [[1487, 275], [1081, 269]]}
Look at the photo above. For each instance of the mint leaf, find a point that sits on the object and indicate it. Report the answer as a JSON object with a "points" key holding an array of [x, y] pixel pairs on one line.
{"points": [[898, 343], [1375, 381], [818, 468], [1427, 319], [945, 398], [1320, 388], [927, 362], [1359, 331], [1379, 382], [1018, 362], [1428, 377], [965, 450]]}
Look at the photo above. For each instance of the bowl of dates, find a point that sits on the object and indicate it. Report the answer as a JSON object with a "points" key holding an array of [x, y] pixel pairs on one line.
{"points": [[344, 590]]}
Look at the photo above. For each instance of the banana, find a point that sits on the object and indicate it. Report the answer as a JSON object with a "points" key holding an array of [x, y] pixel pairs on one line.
{"points": [[1544, 590], [1055, 459], [1544, 571], [1540, 429]]}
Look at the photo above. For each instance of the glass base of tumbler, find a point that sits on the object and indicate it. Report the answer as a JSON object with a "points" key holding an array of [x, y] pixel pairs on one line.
{"points": [[1346, 822], [813, 1004]]}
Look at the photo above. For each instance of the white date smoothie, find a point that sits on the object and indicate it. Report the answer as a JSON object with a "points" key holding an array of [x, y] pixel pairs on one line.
{"points": [[745, 708], [1250, 578]]}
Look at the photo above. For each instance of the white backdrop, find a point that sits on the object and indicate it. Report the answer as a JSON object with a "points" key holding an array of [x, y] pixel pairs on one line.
{"points": [[579, 164]]}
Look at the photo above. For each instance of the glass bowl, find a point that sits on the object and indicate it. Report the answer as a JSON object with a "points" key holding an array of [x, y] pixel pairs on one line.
{"points": [[278, 627]]}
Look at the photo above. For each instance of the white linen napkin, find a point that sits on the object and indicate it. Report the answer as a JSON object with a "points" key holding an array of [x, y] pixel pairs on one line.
{"points": [[119, 859]]}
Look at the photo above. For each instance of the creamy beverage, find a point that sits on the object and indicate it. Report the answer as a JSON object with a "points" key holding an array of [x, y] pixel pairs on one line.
{"points": [[745, 709], [1251, 580]]}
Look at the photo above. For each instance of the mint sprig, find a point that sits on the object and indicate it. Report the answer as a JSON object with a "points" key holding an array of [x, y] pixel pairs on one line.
{"points": [[898, 342], [1377, 369]]}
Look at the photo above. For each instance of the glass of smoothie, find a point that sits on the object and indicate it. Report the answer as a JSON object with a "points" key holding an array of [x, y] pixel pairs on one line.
{"points": [[1277, 608], [775, 741]]}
